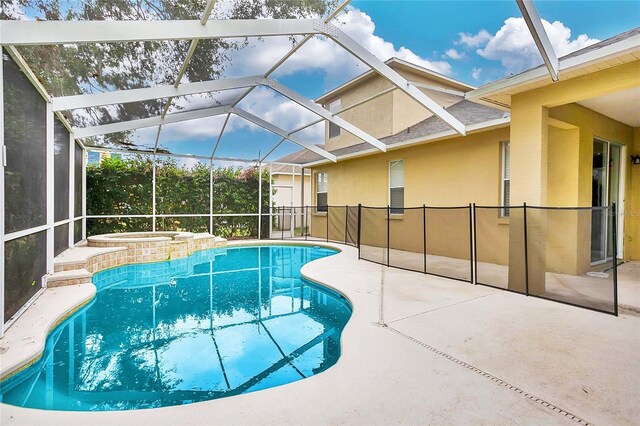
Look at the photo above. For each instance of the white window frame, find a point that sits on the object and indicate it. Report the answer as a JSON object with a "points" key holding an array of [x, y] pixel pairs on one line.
{"points": [[334, 108], [504, 212], [391, 163], [318, 174]]}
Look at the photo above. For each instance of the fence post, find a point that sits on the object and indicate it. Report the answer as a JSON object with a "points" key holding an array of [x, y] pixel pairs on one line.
{"points": [[424, 236], [526, 251], [282, 223], [306, 222], [388, 233], [327, 218], [471, 280], [359, 227], [475, 246], [346, 223], [614, 247]]}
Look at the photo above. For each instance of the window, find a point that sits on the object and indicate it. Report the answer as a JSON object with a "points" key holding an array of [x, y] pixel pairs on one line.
{"points": [[321, 192], [396, 186], [506, 182], [334, 130]]}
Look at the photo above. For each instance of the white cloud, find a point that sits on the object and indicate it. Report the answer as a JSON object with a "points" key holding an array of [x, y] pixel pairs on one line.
{"points": [[514, 47], [475, 73], [318, 55], [324, 55], [454, 54], [281, 112], [474, 40], [15, 11]]}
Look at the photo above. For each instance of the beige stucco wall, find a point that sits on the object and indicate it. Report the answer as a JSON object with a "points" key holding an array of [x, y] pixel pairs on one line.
{"points": [[387, 114], [467, 169], [454, 172], [374, 117], [592, 125], [553, 245], [407, 112], [551, 165], [632, 209]]}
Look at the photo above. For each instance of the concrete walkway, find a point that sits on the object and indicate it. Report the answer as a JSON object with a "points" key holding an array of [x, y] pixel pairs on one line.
{"points": [[425, 350]]}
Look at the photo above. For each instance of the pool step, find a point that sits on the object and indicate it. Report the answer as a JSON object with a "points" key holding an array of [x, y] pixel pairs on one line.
{"points": [[72, 277], [82, 259], [92, 259]]}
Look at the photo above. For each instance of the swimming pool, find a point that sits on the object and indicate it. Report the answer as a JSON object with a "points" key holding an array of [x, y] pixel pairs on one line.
{"points": [[219, 323]]}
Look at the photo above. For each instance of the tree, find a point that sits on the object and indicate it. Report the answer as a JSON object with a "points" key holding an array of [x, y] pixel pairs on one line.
{"points": [[86, 68], [117, 186]]}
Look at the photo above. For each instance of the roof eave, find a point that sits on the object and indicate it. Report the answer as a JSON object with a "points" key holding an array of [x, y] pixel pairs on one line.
{"points": [[623, 47], [392, 61]]}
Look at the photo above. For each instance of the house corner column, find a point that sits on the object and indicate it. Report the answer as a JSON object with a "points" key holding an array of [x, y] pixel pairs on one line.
{"points": [[528, 180]]}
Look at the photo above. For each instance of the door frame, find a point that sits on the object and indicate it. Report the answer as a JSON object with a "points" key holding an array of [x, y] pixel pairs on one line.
{"points": [[621, 192]]}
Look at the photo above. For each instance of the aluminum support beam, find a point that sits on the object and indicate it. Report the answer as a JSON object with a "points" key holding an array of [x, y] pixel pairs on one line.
{"points": [[327, 115], [50, 187], [273, 149], [191, 115], [386, 72], [283, 133], [150, 122], [224, 126], [137, 95], [259, 205], [185, 64], [153, 195], [211, 197], [437, 89], [84, 193], [3, 162], [163, 154], [22, 33], [65, 103], [194, 43], [295, 48], [270, 224], [536, 28], [72, 190]]}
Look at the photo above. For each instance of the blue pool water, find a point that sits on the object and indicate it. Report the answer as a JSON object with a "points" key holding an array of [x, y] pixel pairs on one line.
{"points": [[219, 323]]}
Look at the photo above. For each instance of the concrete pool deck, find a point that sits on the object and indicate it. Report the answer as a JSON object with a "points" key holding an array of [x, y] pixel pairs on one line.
{"points": [[422, 349]]}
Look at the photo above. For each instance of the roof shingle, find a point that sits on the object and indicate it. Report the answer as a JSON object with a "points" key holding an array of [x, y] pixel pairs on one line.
{"points": [[466, 112]]}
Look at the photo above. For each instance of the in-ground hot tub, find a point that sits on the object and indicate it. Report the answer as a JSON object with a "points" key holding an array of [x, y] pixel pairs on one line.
{"points": [[157, 246]]}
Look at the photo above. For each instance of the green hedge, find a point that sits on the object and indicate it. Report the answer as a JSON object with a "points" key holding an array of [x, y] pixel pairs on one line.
{"points": [[117, 186]]}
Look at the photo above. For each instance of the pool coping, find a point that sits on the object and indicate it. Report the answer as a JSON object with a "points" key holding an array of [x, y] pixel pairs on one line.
{"points": [[24, 343]]}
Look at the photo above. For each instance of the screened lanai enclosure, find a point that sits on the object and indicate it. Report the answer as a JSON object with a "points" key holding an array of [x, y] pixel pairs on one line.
{"points": [[99, 101], [160, 115]]}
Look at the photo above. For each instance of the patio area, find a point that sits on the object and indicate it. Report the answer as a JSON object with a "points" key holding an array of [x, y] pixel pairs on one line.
{"points": [[421, 347]]}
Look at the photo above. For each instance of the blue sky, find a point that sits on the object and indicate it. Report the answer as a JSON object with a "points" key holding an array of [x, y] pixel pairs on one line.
{"points": [[429, 28], [472, 41]]}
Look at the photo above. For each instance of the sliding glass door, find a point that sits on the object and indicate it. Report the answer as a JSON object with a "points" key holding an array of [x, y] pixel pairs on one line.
{"points": [[606, 177]]}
